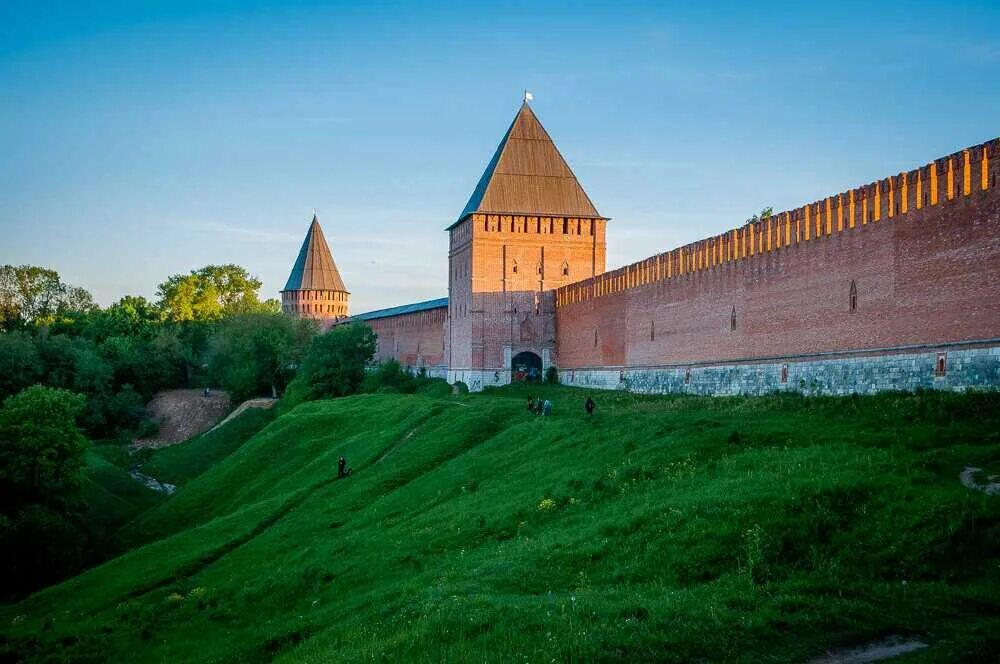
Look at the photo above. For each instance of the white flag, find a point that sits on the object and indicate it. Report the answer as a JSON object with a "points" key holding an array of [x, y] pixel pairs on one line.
{"points": [[528, 96]]}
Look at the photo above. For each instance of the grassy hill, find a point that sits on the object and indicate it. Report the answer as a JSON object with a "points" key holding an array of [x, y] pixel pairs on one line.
{"points": [[179, 464], [666, 528], [112, 497]]}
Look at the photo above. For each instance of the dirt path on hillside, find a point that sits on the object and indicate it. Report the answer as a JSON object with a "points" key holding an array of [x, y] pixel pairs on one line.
{"points": [[397, 445], [184, 414], [262, 402]]}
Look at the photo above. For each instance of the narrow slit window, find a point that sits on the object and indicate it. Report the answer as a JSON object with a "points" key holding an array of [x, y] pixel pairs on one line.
{"points": [[853, 297], [941, 365], [732, 319], [652, 330]]}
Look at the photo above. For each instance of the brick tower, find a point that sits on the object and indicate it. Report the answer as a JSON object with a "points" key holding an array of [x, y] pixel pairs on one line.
{"points": [[314, 288], [527, 229]]}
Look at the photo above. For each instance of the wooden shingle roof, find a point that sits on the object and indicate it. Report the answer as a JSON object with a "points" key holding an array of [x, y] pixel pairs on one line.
{"points": [[528, 175], [314, 268]]}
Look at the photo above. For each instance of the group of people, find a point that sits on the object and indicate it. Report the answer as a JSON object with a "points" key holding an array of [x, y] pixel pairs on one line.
{"points": [[539, 407], [544, 407]]}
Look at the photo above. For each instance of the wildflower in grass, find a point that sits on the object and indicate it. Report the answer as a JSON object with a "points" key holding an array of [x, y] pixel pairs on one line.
{"points": [[175, 598], [546, 504], [197, 593]]}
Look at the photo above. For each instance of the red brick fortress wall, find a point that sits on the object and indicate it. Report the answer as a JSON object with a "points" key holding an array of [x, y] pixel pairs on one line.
{"points": [[414, 339], [922, 250]]}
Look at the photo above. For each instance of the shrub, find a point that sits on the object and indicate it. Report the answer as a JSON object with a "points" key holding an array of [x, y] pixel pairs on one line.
{"points": [[333, 366], [552, 375], [434, 387], [389, 374], [148, 428]]}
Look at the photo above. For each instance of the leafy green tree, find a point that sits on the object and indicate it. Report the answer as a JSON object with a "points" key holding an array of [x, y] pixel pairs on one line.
{"points": [[93, 376], [764, 215], [334, 365], [41, 476], [253, 354], [168, 358], [131, 316], [32, 294], [20, 363], [211, 293], [58, 353], [41, 447]]}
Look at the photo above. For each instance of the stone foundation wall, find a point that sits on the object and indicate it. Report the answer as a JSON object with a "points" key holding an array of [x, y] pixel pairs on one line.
{"points": [[477, 379], [965, 368]]}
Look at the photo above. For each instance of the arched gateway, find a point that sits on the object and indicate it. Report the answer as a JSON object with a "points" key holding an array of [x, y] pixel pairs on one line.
{"points": [[526, 366]]}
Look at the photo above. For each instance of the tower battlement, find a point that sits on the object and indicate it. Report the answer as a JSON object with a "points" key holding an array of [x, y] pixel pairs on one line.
{"points": [[943, 181]]}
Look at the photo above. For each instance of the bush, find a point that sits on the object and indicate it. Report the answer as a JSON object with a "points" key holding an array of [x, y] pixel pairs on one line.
{"points": [[434, 387], [333, 366], [388, 374], [552, 376], [148, 428]]}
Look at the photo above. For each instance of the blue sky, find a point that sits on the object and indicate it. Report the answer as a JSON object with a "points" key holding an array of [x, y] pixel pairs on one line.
{"points": [[141, 139]]}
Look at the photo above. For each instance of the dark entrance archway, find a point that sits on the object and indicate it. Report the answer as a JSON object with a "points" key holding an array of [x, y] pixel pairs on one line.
{"points": [[526, 366]]}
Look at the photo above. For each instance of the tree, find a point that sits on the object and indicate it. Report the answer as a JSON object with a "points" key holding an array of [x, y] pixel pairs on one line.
{"points": [[31, 294], [41, 447], [764, 215], [20, 364], [211, 293], [253, 354], [131, 316], [41, 476], [334, 365]]}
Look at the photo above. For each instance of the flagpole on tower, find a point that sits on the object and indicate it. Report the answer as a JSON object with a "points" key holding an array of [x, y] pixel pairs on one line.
{"points": [[528, 96]]}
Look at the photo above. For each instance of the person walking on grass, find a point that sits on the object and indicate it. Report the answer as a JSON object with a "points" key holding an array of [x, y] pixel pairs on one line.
{"points": [[589, 406], [342, 469], [531, 405], [546, 407]]}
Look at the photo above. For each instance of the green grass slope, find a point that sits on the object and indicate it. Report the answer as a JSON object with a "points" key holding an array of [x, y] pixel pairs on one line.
{"points": [[667, 528], [111, 496], [179, 464]]}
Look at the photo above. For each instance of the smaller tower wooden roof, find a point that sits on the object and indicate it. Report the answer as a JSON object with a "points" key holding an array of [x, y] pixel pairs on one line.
{"points": [[314, 268]]}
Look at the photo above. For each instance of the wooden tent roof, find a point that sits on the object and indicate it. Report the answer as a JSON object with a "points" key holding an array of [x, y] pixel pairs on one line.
{"points": [[528, 175], [314, 268]]}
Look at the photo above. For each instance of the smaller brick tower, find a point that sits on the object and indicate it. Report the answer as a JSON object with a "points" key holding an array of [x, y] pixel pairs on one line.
{"points": [[314, 288]]}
